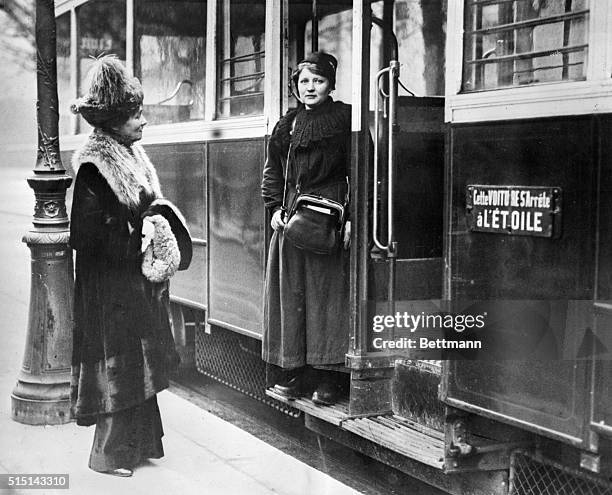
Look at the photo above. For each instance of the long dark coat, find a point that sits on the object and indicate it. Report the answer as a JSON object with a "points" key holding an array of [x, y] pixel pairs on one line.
{"points": [[122, 341], [306, 294]]}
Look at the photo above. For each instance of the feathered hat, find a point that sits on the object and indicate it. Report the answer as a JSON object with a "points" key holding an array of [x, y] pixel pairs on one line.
{"points": [[112, 93]]}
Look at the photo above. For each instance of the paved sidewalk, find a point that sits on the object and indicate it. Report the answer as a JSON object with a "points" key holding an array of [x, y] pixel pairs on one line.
{"points": [[204, 454]]}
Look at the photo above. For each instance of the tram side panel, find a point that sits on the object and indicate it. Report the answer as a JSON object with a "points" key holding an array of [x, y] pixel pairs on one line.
{"points": [[548, 278], [182, 172], [216, 186], [236, 235], [601, 419]]}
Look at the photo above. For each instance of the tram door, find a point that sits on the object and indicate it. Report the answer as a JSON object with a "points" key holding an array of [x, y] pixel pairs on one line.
{"points": [[404, 263], [413, 35]]}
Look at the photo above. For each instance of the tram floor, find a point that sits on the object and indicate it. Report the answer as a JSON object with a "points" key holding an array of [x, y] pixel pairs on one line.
{"points": [[289, 435]]}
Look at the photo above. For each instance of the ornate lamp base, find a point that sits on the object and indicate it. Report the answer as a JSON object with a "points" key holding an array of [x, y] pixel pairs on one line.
{"points": [[42, 393]]}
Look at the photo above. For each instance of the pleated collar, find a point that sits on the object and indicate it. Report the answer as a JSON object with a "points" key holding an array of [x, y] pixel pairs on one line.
{"points": [[315, 125]]}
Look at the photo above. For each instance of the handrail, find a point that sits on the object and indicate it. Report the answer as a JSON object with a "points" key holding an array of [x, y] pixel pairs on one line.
{"points": [[527, 55], [376, 134], [176, 90], [244, 77], [241, 96], [394, 67], [538, 21], [393, 71], [247, 57], [393, 39]]}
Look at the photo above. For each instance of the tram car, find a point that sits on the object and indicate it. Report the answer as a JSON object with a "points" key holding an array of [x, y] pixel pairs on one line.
{"points": [[492, 133]]}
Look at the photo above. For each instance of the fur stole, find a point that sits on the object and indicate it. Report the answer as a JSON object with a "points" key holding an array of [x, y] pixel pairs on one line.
{"points": [[127, 170]]}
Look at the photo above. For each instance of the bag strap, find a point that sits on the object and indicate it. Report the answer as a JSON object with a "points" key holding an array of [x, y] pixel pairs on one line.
{"points": [[347, 196], [284, 207]]}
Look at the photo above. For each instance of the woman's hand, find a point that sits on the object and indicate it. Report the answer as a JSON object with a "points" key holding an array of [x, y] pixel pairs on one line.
{"points": [[148, 229], [347, 235], [278, 219]]}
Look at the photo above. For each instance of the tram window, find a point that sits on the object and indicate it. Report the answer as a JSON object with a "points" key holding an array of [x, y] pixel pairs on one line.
{"points": [[63, 72], [241, 51], [101, 31], [335, 37], [169, 58], [182, 175], [520, 42], [420, 28]]}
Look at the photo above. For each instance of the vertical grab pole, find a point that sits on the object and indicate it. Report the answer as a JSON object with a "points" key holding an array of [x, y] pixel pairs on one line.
{"points": [[314, 39], [392, 244], [375, 238], [393, 78]]}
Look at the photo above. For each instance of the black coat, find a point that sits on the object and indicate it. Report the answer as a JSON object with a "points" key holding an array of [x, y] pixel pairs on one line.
{"points": [[306, 319], [122, 341], [319, 141]]}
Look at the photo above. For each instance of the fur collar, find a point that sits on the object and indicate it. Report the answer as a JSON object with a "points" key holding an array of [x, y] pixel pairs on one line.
{"points": [[305, 128], [127, 169]]}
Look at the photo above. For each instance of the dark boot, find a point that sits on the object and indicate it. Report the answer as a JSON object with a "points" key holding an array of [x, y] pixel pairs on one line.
{"points": [[326, 394], [290, 385]]}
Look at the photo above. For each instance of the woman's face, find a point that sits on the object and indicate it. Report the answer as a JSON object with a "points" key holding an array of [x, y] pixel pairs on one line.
{"points": [[132, 128], [312, 88]]}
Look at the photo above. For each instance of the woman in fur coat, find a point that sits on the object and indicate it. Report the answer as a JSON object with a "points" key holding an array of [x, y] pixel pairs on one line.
{"points": [[122, 345]]}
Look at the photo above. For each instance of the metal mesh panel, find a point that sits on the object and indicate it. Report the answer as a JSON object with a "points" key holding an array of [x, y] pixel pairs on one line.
{"points": [[235, 361], [531, 476]]}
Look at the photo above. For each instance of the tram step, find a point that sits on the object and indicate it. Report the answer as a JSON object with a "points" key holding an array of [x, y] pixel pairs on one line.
{"points": [[332, 414], [393, 432]]}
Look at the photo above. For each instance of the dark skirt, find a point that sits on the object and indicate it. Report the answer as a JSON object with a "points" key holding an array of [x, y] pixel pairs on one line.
{"points": [[306, 299], [127, 438]]}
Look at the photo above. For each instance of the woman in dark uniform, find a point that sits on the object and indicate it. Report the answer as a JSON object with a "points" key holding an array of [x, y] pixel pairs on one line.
{"points": [[306, 294], [122, 345]]}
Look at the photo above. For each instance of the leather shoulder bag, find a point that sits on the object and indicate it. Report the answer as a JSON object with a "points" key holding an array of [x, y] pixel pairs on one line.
{"points": [[315, 223]]}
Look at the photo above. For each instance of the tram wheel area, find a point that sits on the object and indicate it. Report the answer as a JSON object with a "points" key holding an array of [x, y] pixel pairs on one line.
{"points": [[230, 392], [291, 436]]}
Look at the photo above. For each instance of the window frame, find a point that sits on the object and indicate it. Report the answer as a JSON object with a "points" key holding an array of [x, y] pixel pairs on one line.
{"points": [[210, 127], [592, 95]]}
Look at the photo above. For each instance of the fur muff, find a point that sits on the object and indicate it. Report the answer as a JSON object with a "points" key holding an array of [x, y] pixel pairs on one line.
{"points": [[162, 256], [126, 173]]}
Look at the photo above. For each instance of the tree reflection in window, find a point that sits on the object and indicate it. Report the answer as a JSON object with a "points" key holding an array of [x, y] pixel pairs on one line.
{"points": [[169, 58], [64, 90], [241, 51], [101, 32], [519, 42]]}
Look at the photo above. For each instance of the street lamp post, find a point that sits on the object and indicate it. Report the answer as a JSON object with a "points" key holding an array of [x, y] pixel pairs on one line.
{"points": [[42, 393]]}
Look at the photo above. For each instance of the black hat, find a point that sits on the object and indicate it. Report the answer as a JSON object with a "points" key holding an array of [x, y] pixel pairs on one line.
{"points": [[178, 225], [324, 64]]}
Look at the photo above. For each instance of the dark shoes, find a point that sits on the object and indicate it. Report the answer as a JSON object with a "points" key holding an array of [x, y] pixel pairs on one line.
{"points": [[296, 383], [326, 394], [122, 472], [291, 389]]}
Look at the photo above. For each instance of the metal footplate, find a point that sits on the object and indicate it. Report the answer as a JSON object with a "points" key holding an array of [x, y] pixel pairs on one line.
{"points": [[335, 414], [395, 433]]}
